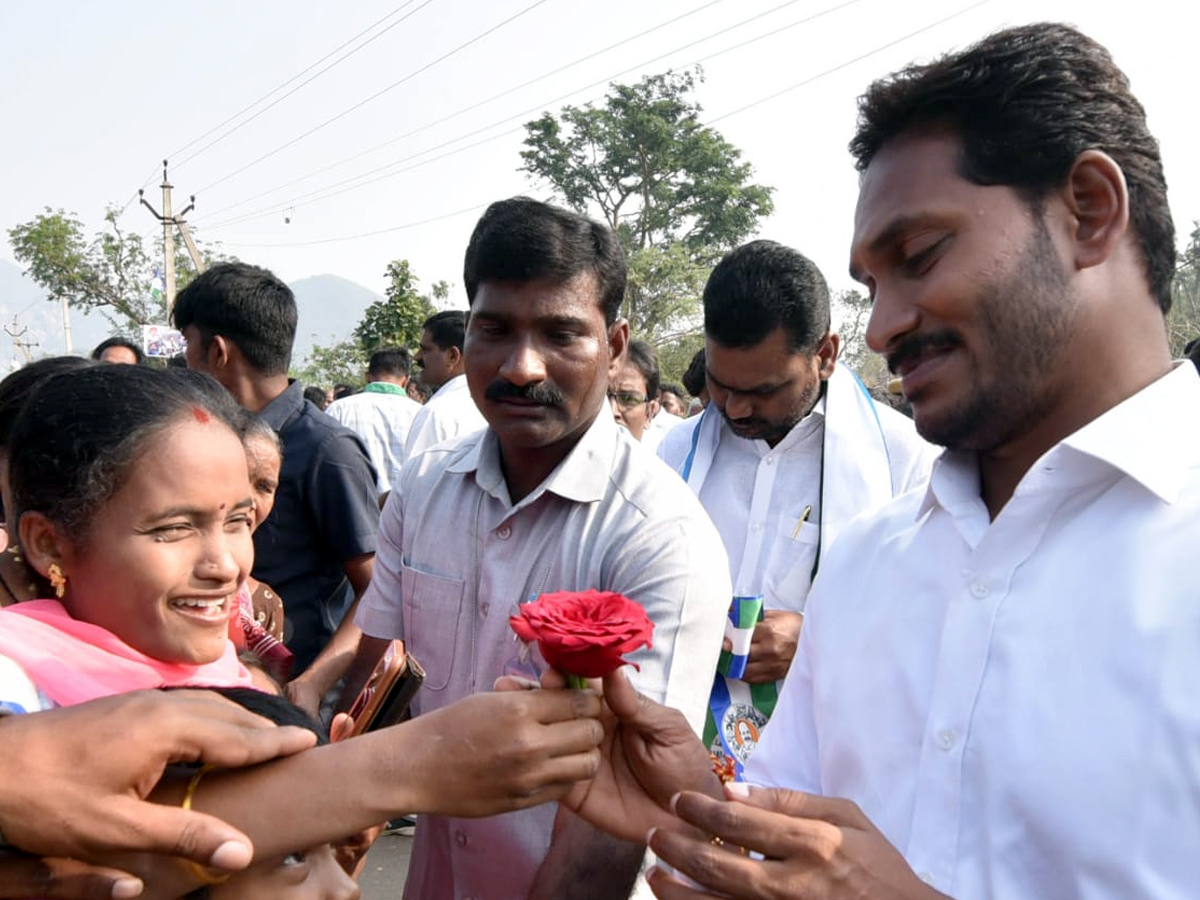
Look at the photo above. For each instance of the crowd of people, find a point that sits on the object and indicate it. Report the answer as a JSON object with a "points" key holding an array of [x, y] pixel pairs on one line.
{"points": [[953, 655]]}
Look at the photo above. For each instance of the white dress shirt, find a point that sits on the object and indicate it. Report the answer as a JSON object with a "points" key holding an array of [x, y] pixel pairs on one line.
{"points": [[662, 422], [455, 558], [450, 412], [1016, 703], [383, 421]]}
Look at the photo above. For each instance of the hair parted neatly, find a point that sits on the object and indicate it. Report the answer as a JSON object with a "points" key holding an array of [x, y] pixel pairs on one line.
{"points": [[762, 286], [1026, 102], [522, 239]]}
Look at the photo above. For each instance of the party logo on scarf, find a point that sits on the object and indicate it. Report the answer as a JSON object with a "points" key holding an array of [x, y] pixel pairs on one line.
{"points": [[741, 726]]}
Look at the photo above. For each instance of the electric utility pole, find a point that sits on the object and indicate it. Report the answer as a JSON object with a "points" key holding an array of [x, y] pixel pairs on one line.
{"points": [[170, 221]]}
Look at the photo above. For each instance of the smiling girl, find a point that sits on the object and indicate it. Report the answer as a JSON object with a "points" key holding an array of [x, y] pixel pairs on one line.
{"points": [[132, 498]]}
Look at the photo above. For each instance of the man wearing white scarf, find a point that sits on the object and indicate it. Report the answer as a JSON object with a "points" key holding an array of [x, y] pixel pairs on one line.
{"points": [[791, 448]]}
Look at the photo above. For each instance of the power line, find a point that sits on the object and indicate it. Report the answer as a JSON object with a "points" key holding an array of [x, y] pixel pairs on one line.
{"points": [[374, 96], [473, 106], [317, 75], [340, 187], [365, 234], [837, 68], [759, 102]]}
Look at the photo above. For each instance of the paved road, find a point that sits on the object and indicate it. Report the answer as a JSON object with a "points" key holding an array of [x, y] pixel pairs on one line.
{"points": [[387, 864]]}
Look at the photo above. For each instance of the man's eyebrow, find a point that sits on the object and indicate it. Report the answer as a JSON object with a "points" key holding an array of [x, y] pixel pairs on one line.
{"points": [[563, 321], [884, 239]]}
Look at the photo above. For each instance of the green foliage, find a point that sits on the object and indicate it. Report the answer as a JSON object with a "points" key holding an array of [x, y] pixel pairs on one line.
{"points": [[676, 192], [112, 272], [852, 312], [1183, 322], [341, 363], [398, 319], [675, 356]]}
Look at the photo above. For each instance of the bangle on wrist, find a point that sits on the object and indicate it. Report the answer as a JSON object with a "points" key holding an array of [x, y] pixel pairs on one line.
{"points": [[204, 874]]}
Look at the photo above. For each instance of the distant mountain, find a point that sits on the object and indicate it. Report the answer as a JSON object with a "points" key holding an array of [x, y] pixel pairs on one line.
{"points": [[329, 308]]}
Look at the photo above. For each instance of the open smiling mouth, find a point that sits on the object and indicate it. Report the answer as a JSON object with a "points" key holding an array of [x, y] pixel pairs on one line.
{"points": [[208, 609]]}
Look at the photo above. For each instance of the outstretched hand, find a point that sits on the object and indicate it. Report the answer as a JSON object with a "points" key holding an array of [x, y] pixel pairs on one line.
{"points": [[649, 753], [815, 848], [86, 770]]}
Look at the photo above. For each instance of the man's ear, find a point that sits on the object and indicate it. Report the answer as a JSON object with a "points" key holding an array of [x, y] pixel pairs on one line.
{"points": [[618, 342], [220, 352], [827, 354], [454, 356], [655, 406], [41, 543], [1097, 200]]}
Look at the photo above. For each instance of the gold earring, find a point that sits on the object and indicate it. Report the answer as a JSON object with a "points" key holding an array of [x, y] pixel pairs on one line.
{"points": [[57, 580]]}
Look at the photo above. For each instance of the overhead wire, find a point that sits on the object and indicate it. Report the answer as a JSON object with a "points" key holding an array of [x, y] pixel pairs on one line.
{"points": [[474, 106], [375, 96], [773, 96], [337, 188], [302, 84]]}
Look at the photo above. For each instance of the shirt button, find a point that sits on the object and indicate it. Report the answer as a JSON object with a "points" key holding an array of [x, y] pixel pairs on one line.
{"points": [[756, 527], [460, 839], [979, 590], [504, 532], [925, 877], [770, 460], [946, 739], [484, 607]]}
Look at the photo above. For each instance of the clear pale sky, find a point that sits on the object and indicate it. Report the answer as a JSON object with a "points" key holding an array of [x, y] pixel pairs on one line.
{"points": [[97, 94]]}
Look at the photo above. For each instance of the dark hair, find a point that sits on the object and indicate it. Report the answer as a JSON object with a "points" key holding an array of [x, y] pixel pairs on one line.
{"points": [[671, 389], [762, 286], [119, 342], [1192, 350], [695, 379], [390, 361], [247, 305], [1026, 102], [343, 390], [273, 707], [316, 396], [79, 434], [447, 328], [16, 388], [522, 239], [645, 360]]}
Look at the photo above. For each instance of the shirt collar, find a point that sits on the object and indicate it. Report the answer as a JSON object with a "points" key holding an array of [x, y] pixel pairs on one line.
{"points": [[1149, 437], [581, 477], [458, 382], [280, 411]]}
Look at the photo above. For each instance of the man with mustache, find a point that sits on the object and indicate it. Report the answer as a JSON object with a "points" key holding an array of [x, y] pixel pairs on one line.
{"points": [[995, 692], [552, 496], [790, 448]]}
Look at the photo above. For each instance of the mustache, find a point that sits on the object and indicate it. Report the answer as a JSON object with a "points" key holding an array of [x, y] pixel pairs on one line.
{"points": [[915, 345], [544, 393]]}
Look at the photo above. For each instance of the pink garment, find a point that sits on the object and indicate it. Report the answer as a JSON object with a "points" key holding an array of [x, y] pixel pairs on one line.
{"points": [[73, 662]]}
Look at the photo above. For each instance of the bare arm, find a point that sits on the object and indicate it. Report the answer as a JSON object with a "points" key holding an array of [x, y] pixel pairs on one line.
{"points": [[310, 687], [586, 864]]}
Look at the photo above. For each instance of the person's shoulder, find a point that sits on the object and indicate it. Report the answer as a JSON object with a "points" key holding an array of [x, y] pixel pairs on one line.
{"points": [[649, 483], [676, 442]]}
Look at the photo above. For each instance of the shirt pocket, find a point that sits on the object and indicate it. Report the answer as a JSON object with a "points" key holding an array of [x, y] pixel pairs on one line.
{"points": [[789, 570], [432, 605]]}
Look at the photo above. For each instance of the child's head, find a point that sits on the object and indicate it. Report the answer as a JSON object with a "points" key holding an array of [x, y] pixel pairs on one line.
{"points": [[133, 484], [312, 874]]}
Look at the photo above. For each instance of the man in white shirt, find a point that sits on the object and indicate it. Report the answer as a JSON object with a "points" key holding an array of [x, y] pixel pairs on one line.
{"points": [[998, 673], [790, 448], [450, 411], [382, 413], [552, 496]]}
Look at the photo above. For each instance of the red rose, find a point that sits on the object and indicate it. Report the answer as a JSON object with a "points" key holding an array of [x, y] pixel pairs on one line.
{"points": [[584, 633]]}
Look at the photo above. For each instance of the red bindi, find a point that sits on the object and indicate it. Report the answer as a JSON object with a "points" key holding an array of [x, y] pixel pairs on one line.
{"points": [[200, 415]]}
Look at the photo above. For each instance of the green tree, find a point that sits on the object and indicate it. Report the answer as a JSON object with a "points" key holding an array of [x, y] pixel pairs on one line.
{"points": [[398, 319], [675, 191], [852, 312], [112, 272], [342, 363], [1183, 322]]}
